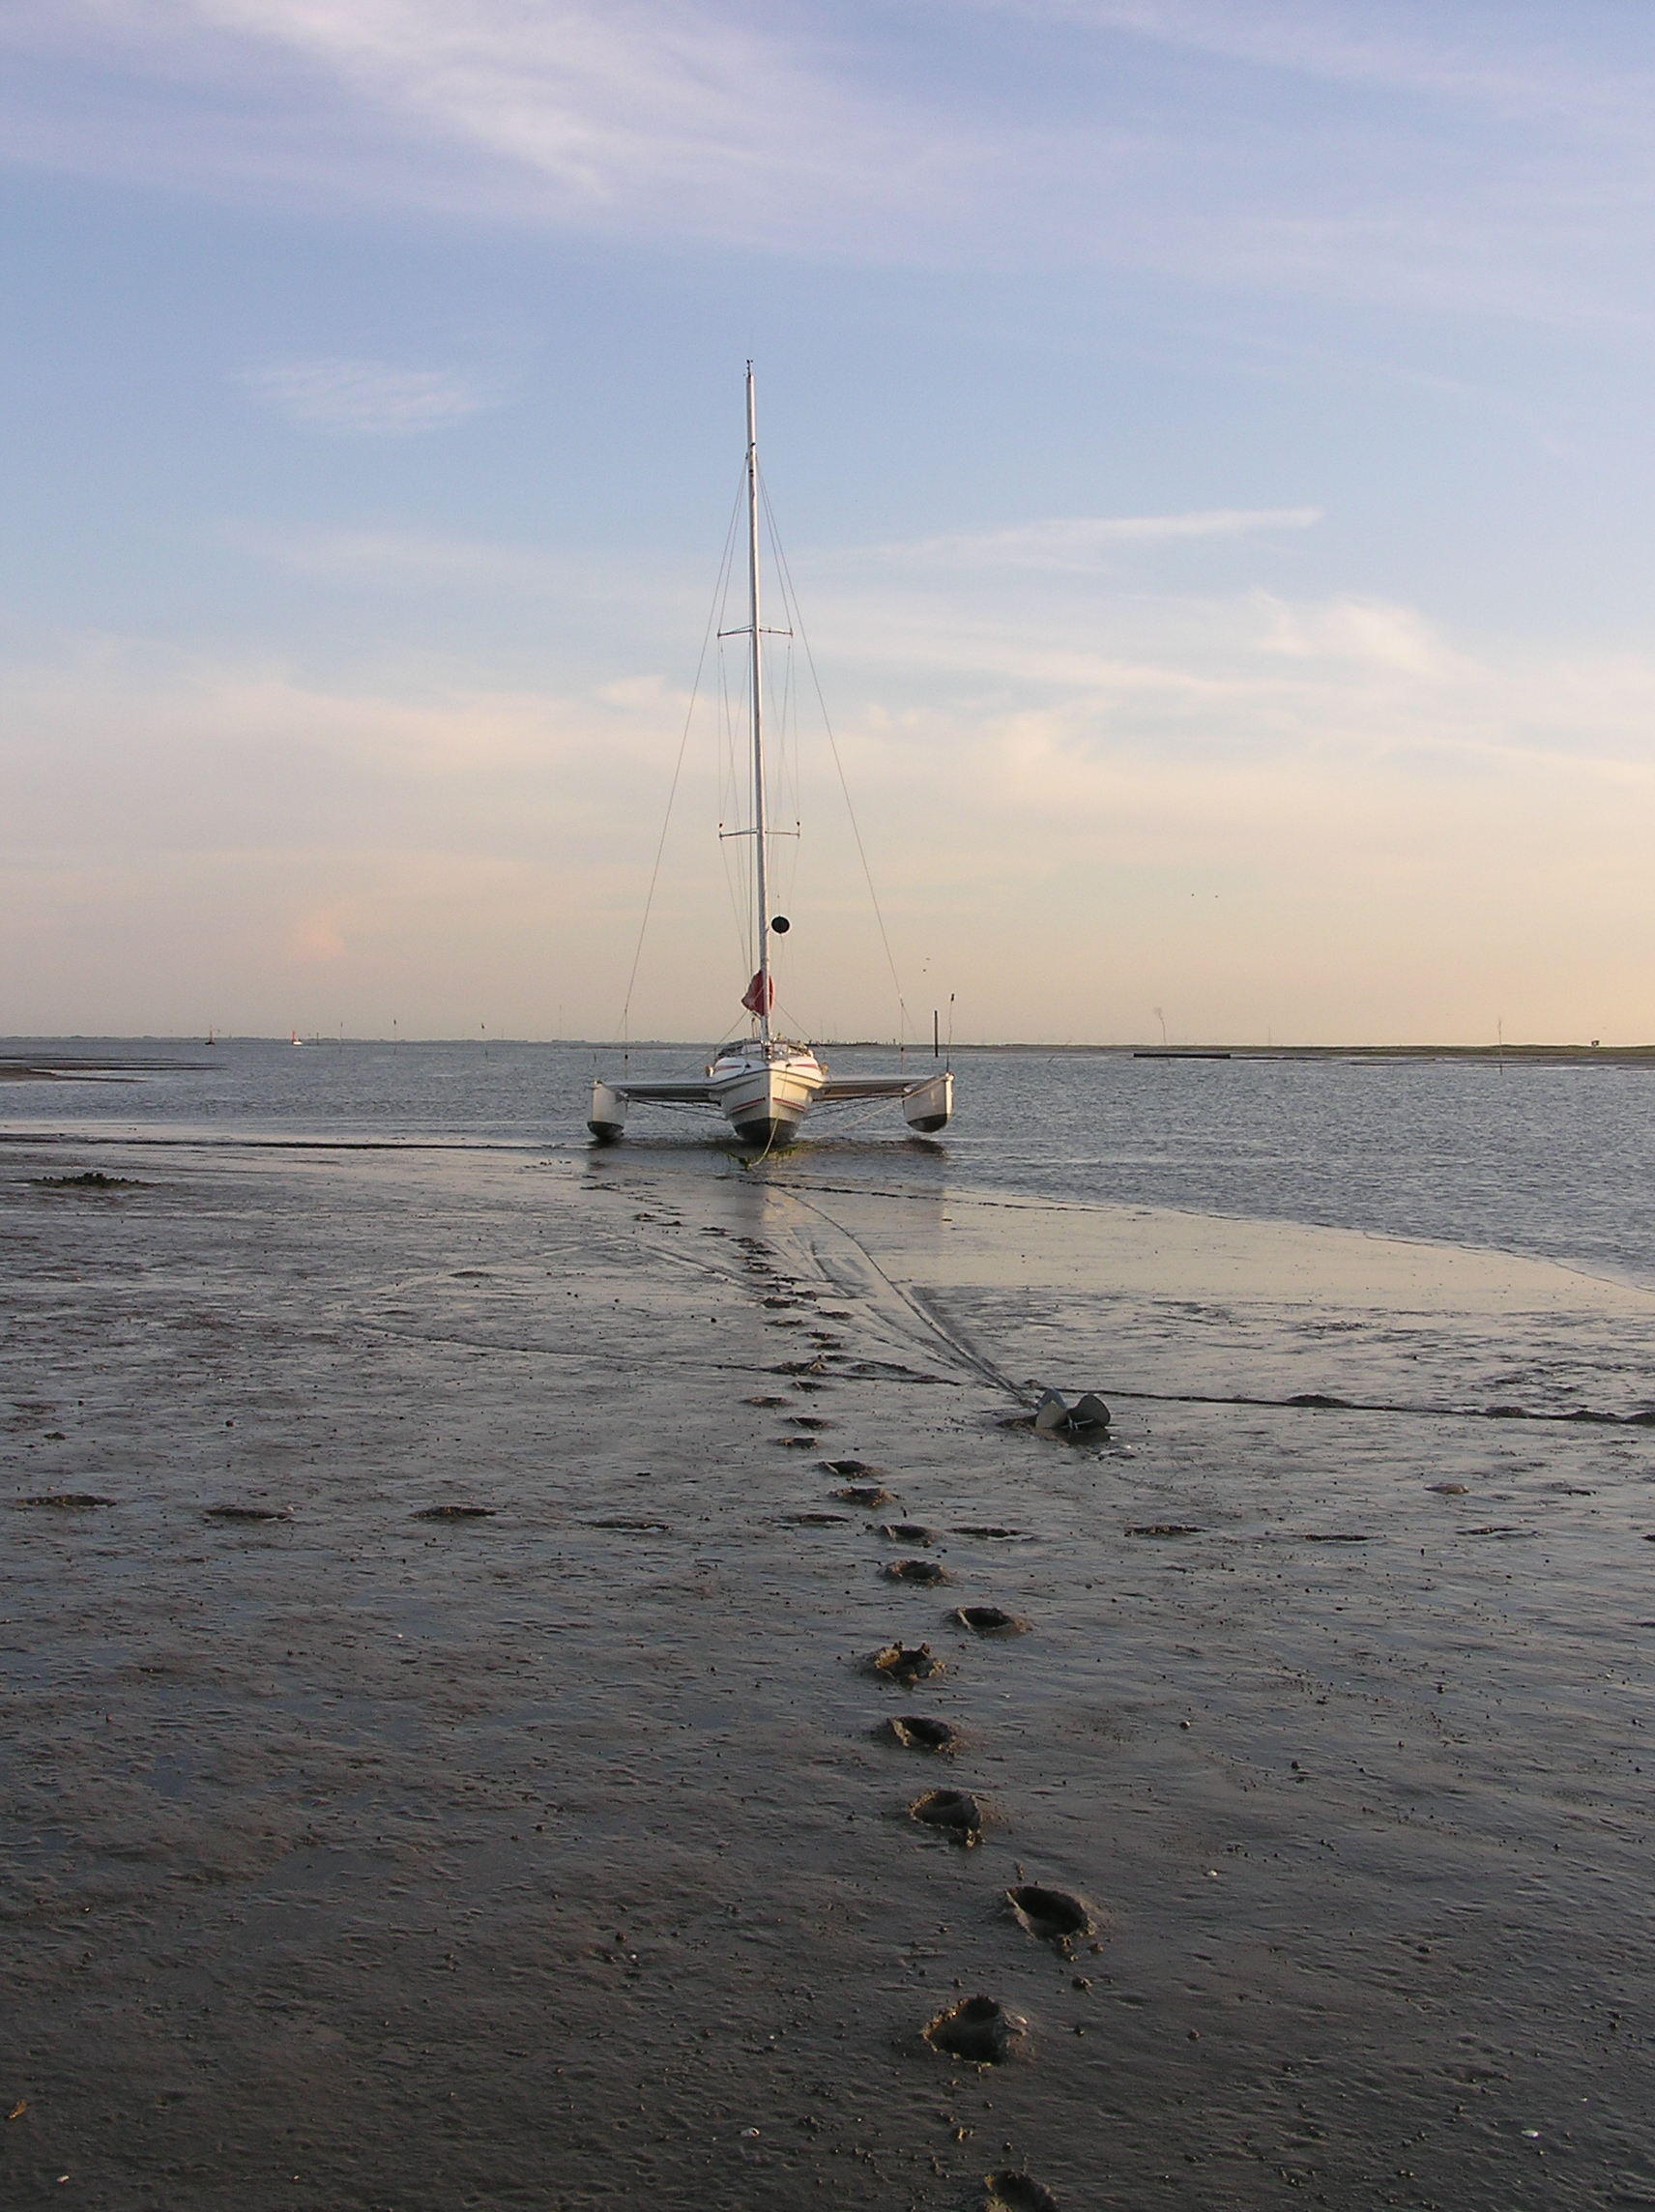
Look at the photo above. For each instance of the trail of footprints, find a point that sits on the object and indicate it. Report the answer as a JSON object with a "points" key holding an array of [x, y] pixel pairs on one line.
{"points": [[980, 2030]]}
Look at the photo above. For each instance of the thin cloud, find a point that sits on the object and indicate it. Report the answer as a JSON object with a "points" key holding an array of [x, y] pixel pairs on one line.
{"points": [[401, 557], [665, 116], [1080, 543], [1460, 167], [1485, 57], [366, 399]]}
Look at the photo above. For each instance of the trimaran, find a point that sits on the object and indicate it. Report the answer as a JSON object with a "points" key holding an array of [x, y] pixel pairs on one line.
{"points": [[765, 1085]]}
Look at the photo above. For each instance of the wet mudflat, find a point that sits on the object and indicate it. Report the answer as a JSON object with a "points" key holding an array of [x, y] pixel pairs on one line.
{"points": [[512, 1817]]}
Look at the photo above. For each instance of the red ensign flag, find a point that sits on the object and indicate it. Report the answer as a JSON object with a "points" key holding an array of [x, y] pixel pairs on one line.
{"points": [[755, 1000]]}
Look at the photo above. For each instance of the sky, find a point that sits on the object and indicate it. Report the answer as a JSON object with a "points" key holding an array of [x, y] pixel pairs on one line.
{"points": [[1210, 441]]}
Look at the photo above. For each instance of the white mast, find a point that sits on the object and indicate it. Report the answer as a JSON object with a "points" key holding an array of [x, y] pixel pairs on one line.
{"points": [[761, 884]]}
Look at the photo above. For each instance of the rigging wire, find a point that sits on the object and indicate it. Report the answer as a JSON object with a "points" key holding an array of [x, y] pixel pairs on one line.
{"points": [[730, 804], [797, 619], [677, 767]]}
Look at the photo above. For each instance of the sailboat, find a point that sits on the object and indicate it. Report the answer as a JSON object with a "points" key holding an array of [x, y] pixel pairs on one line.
{"points": [[765, 1085]]}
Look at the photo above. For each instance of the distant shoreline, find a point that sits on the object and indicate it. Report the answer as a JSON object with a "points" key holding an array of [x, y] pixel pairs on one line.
{"points": [[59, 1066]]}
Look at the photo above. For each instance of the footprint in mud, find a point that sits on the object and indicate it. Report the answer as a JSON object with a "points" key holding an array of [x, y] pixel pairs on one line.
{"points": [[989, 1620], [248, 1513], [820, 1520], [914, 1571], [915, 1731], [981, 2030], [956, 1811], [795, 1443], [1055, 1916], [835, 1313], [906, 1664], [636, 1527], [1165, 1528], [849, 1468], [907, 1532], [867, 1494], [1449, 1489], [455, 1513], [1010, 2192], [766, 1402], [67, 1501], [992, 1528], [814, 1422]]}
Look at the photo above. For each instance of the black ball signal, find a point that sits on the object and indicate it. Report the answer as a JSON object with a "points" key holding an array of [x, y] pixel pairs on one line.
{"points": [[782, 925]]}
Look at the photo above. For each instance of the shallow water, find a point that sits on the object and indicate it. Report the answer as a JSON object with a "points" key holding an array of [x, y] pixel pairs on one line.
{"points": [[1555, 1161]]}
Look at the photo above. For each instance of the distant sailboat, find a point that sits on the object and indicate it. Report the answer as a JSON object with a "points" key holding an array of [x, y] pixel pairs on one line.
{"points": [[765, 1085]]}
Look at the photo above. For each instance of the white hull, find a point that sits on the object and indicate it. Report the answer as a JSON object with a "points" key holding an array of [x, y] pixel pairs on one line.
{"points": [[764, 1101]]}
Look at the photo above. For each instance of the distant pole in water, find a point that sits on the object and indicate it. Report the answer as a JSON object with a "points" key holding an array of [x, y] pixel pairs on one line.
{"points": [[936, 1035], [1499, 1031], [1162, 1019]]}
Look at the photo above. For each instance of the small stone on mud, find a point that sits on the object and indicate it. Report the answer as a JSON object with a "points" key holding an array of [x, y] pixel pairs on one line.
{"points": [[455, 1513], [906, 1663], [847, 1469], [67, 1501], [956, 1811], [905, 1533], [914, 1571], [1007, 2192], [989, 1620], [986, 1529], [248, 1513], [819, 1520], [867, 1494], [795, 1443], [1449, 1489], [1055, 1916], [1165, 1528], [978, 2029], [915, 1731]]}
